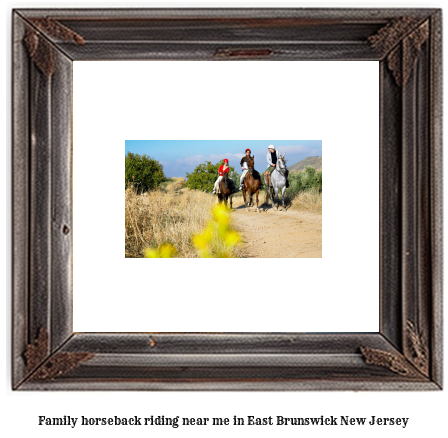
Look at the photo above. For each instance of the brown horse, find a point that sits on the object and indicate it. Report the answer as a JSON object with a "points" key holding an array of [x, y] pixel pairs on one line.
{"points": [[252, 183], [226, 189]]}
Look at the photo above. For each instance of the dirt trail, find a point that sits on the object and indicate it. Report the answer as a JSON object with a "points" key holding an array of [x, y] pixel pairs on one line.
{"points": [[282, 233]]}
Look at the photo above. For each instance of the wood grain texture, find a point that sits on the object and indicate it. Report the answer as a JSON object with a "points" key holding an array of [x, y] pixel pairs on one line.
{"points": [[406, 354], [391, 236], [20, 197], [61, 200], [436, 195], [40, 200]]}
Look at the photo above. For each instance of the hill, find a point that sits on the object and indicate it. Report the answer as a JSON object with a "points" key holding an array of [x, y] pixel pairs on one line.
{"points": [[315, 162]]}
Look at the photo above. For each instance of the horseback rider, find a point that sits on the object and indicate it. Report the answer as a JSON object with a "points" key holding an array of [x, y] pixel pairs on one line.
{"points": [[224, 168], [244, 163], [272, 157]]}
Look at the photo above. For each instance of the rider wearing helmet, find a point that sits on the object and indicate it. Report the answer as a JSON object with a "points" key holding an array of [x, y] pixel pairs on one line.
{"points": [[224, 168], [244, 163], [272, 157]]}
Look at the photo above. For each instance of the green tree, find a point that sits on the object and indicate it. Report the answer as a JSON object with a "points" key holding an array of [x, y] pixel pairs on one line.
{"points": [[313, 178], [144, 172], [204, 176], [306, 180], [235, 176]]}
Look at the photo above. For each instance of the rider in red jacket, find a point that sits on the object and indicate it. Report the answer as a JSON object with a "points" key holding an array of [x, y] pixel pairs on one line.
{"points": [[224, 168]]}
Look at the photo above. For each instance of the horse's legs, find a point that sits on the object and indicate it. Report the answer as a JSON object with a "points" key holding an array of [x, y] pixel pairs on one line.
{"points": [[244, 196], [275, 197], [283, 196], [256, 196], [231, 207]]}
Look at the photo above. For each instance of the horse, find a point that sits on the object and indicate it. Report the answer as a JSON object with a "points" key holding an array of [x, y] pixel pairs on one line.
{"points": [[278, 180], [226, 189], [252, 183]]}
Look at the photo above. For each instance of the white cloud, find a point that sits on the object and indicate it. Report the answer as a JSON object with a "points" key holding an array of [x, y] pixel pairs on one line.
{"points": [[194, 160], [294, 153], [316, 153], [293, 149]]}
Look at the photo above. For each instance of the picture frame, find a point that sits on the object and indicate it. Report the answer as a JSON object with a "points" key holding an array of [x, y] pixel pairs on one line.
{"points": [[406, 353]]}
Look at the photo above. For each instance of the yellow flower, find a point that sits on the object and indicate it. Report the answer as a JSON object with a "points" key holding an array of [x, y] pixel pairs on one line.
{"points": [[222, 231], [208, 232], [217, 231], [165, 251], [221, 215], [151, 253], [232, 238], [200, 242], [216, 240]]}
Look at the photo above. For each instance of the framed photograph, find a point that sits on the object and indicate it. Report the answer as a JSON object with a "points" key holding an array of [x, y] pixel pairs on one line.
{"points": [[189, 173], [403, 159]]}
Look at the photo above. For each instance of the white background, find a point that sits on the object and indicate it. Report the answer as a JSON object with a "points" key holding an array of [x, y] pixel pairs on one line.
{"points": [[332, 101], [427, 411]]}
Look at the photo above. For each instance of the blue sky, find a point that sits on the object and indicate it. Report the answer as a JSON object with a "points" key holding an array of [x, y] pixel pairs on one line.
{"points": [[181, 156]]}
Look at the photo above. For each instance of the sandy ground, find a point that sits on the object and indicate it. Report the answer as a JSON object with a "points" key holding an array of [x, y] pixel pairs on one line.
{"points": [[282, 233]]}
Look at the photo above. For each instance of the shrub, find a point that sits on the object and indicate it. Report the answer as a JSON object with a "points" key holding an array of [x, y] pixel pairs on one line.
{"points": [[305, 191], [142, 172], [204, 176], [306, 180]]}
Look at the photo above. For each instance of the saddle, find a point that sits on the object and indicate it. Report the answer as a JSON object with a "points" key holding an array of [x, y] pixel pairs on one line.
{"points": [[232, 187], [269, 183]]}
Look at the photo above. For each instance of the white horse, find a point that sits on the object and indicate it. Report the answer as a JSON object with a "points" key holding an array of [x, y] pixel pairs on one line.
{"points": [[278, 179]]}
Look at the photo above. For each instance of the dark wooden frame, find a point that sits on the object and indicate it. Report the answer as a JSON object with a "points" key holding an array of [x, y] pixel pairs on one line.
{"points": [[406, 354]]}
